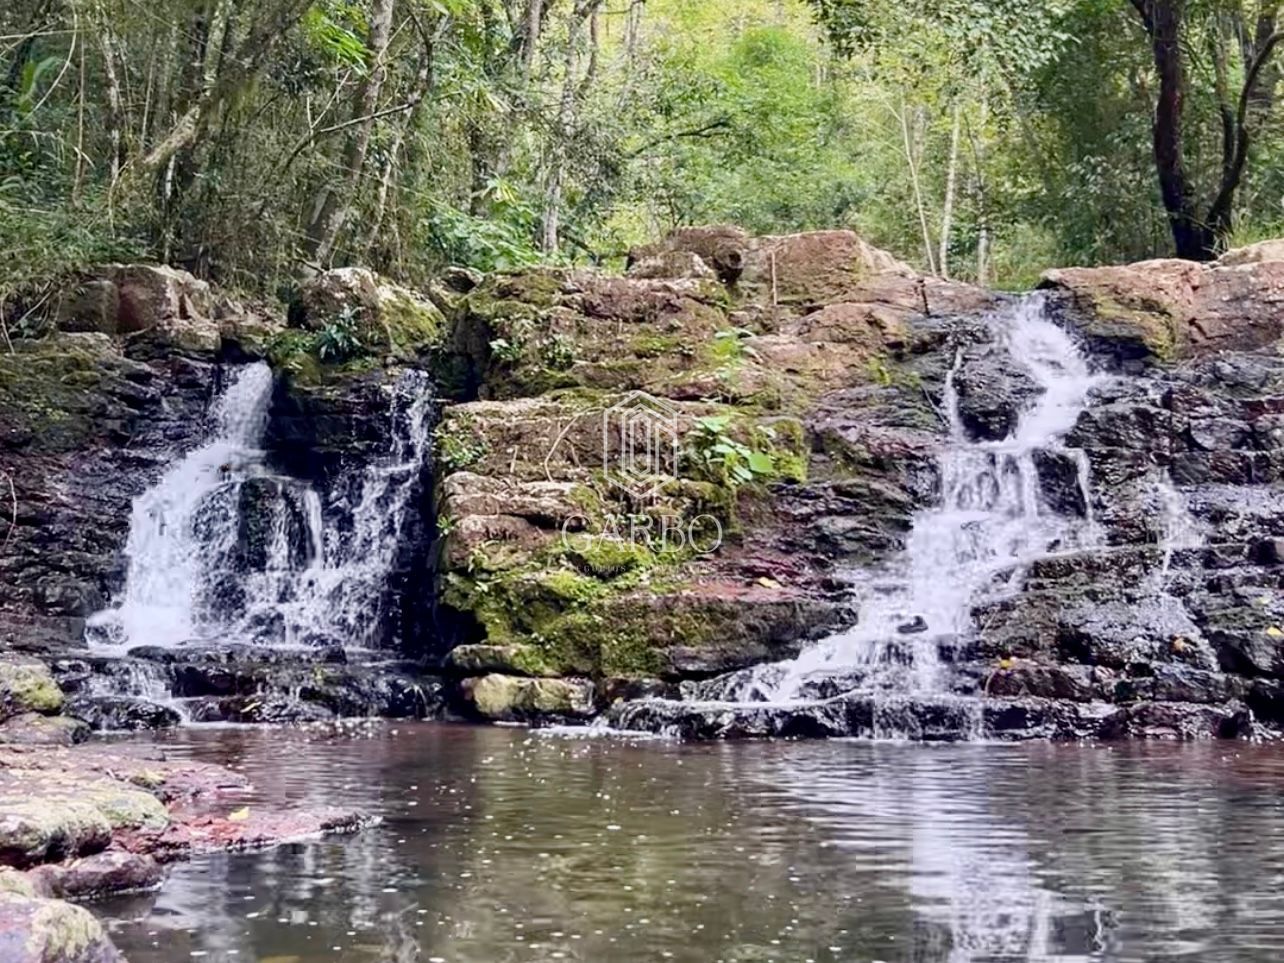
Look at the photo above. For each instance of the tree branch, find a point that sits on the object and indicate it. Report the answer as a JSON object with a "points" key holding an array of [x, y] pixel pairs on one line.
{"points": [[708, 130], [1219, 212]]}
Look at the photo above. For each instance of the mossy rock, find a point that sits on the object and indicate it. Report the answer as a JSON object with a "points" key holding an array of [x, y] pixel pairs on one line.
{"points": [[514, 659], [27, 686], [56, 394], [37, 930], [507, 698]]}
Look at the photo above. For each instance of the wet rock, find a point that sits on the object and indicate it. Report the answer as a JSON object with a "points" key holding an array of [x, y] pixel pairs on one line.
{"points": [[518, 699], [993, 391], [31, 729], [257, 828], [1074, 683], [51, 931], [122, 713], [109, 873], [269, 709], [1060, 482], [1177, 721], [1269, 551]]}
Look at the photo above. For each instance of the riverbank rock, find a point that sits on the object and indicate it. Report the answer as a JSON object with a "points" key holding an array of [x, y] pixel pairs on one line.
{"points": [[27, 687], [507, 698], [51, 931]]}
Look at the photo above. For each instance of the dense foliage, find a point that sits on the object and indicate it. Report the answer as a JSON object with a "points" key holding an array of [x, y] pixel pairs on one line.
{"points": [[254, 140]]}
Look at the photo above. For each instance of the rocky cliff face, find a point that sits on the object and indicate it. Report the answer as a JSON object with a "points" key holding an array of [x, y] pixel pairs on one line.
{"points": [[641, 483], [830, 359]]}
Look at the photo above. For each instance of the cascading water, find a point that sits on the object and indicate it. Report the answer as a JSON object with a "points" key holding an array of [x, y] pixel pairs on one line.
{"points": [[164, 550], [223, 549], [991, 523]]}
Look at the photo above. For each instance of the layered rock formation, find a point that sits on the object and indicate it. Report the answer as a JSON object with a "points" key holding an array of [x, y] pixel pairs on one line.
{"points": [[640, 483]]}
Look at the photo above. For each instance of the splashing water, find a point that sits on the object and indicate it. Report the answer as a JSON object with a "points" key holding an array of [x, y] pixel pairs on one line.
{"points": [[221, 548], [165, 556], [990, 524]]}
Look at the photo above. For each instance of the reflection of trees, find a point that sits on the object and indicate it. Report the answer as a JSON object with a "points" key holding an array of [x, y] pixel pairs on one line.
{"points": [[522, 846]]}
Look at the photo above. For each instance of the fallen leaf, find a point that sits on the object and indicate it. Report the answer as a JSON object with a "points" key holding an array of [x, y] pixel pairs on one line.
{"points": [[241, 815], [1275, 632], [766, 582]]}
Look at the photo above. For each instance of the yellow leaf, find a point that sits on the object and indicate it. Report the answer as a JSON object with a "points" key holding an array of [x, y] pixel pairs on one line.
{"points": [[768, 582], [1275, 632], [240, 815], [1005, 663]]}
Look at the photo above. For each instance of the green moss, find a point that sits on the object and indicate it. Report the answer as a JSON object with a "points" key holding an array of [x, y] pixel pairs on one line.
{"points": [[541, 288], [28, 687], [52, 392], [1148, 321], [67, 932], [655, 345], [607, 558], [410, 326], [459, 443]]}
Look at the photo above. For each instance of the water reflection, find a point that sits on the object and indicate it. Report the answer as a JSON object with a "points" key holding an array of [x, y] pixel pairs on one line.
{"points": [[501, 846]]}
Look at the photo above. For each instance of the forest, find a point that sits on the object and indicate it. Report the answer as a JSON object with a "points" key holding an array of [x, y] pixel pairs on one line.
{"points": [[254, 142]]}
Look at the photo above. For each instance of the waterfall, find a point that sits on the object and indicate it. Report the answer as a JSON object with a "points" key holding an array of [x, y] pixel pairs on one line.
{"points": [[989, 525], [164, 551], [222, 548]]}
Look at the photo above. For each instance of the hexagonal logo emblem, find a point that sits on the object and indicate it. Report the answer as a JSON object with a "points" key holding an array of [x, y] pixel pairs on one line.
{"points": [[640, 444]]}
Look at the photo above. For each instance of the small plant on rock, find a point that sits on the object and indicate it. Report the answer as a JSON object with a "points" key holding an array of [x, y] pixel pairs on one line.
{"points": [[338, 341], [716, 456]]}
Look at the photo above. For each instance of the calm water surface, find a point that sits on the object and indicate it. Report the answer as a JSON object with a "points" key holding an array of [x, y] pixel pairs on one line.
{"points": [[503, 846]]}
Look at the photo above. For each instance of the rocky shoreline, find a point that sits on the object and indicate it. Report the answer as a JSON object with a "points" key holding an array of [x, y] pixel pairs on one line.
{"points": [[101, 820]]}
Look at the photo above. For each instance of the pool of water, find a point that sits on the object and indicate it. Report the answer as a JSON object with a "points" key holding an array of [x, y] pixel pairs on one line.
{"points": [[506, 846]]}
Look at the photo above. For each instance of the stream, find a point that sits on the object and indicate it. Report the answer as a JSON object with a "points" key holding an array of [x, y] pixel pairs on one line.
{"points": [[502, 845]]}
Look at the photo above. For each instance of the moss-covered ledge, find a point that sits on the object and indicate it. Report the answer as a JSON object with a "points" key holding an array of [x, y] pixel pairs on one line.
{"points": [[551, 569]]}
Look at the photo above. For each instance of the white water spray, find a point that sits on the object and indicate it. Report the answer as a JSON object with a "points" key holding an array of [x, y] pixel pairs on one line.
{"points": [[990, 524], [222, 549]]}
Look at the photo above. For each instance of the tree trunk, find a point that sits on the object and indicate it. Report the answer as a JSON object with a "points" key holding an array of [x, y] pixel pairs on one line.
{"points": [[567, 115], [1192, 238], [336, 204], [951, 182], [903, 117]]}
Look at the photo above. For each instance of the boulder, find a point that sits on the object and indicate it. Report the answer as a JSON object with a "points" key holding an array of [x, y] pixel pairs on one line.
{"points": [[516, 699], [108, 873], [1272, 250], [513, 659], [1167, 310], [386, 318], [27, 686], [36, 930], [112, 713], [671, 264]]}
